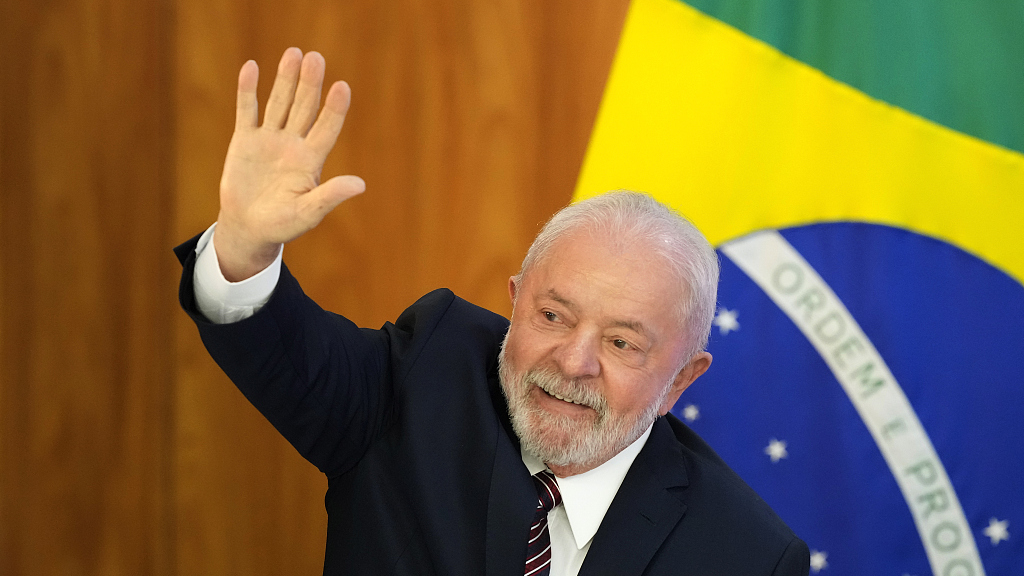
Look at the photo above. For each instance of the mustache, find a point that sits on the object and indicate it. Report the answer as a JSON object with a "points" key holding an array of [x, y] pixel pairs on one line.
{"points": [[553, 382]]}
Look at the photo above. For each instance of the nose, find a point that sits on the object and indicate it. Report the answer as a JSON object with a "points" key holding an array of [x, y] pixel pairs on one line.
{"points": [[577, 356]]}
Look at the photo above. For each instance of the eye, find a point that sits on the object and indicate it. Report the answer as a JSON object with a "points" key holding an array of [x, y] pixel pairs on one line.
{"points": [[550, 316], [621, 344]]}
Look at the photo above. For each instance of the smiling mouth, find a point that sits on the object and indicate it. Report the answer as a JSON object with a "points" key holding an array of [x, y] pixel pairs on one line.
{"points": [[559, 397]]}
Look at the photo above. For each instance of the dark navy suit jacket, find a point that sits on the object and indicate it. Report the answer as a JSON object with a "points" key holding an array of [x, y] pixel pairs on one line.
{"points": [[425, 475]]}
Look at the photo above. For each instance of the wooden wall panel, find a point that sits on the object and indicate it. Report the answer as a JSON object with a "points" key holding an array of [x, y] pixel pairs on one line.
{"points": [[123, 450], [246, 502], [469, 122], [86, 295]]}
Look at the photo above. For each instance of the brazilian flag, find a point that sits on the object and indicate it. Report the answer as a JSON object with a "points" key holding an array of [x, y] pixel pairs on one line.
{"points": [[858, 164]]}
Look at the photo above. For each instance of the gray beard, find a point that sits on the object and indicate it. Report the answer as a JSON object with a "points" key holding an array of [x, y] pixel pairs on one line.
{"points": [[560, 440]]}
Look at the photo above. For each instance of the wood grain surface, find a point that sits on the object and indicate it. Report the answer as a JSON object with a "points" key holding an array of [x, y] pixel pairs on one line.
{"points": [[123, 449], [86, 319]]}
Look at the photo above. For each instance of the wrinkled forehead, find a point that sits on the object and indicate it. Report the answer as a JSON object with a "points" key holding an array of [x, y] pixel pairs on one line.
{"points": [[625, 260], [598, 239]]}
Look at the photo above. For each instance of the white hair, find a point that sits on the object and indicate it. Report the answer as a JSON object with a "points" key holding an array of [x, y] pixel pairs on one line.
{"points": [[629, 216]]}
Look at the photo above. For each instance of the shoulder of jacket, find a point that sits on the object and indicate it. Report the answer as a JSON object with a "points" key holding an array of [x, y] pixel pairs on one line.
{"points": [[443, 304]]}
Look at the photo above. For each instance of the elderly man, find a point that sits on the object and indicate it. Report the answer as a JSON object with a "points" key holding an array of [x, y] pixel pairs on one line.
{"points": [[455, 442]]}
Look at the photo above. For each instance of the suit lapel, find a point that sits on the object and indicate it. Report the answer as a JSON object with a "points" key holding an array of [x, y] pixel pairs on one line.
{"points": [[646, 508], [511, 501]]}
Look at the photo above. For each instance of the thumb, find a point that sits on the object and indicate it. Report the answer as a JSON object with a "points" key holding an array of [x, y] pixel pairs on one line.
{"points": [[319, 201]]}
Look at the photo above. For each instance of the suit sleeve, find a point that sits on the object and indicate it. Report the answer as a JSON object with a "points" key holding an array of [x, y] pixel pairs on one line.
{"points": [[325, 384], [795, 560]]}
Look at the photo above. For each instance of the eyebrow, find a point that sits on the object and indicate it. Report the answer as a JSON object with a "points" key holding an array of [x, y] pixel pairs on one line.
{"points": [[633, 325], [562, 300]]}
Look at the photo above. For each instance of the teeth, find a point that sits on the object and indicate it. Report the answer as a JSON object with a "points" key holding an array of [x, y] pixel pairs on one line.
{"points": [[558, 396], [562, 398]]}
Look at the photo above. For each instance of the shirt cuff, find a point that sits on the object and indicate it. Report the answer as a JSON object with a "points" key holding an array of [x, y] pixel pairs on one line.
{"points": [[224, 302]]}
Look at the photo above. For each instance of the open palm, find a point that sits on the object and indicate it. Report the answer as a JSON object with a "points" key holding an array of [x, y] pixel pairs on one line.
{"points": [[270, 191]]}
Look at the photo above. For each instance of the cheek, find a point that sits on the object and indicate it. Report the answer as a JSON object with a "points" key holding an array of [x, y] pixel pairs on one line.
{"points": [[629, 396], [522, 346], [512, 343]]}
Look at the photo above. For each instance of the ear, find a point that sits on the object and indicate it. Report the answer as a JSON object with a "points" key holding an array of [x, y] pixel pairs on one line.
{"points": [[694, 368], [512, 290]]}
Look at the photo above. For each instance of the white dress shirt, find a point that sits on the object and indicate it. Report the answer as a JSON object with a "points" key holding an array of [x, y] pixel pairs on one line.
{"points": [[224, 302], [585, 497], [585, 500]]}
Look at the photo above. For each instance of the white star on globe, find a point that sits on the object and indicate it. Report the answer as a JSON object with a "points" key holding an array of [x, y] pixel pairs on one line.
{"points": [[997, 531], [691, 412], [776, 450], [726, 320], [818, 560]]}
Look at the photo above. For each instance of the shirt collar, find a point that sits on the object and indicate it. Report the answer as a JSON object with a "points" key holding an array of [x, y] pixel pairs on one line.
{"points": [[587, 496]]}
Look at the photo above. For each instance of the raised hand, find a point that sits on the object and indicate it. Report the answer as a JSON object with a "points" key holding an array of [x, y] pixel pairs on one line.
{"points": [[270, 191]]}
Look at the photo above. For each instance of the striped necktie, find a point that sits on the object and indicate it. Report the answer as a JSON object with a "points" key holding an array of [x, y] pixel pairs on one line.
{"points": [[538, 549]]}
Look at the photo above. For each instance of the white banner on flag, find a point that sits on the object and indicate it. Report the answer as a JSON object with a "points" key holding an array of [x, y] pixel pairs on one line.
{"points": [[798, 290]]}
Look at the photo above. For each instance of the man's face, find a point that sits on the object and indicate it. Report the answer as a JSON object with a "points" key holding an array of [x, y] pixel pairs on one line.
{"points": [[594, 352]]}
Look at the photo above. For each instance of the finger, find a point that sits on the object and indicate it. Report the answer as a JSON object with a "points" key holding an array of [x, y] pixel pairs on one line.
{"points": [[307, 95], [319, 201], [325, 130], [247, 108], [283, 92]]}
